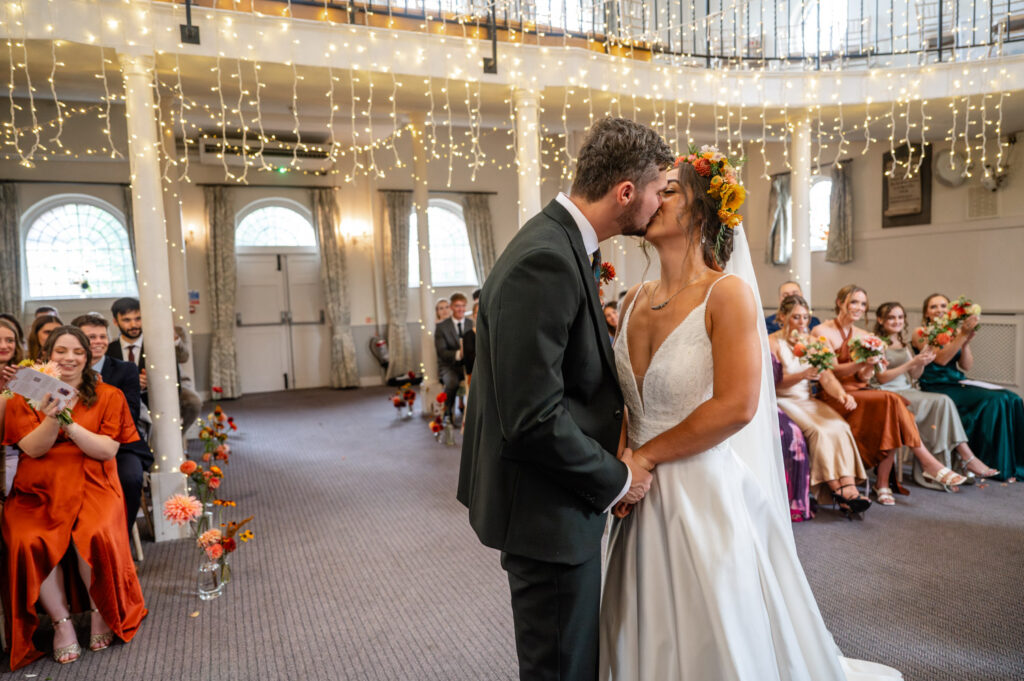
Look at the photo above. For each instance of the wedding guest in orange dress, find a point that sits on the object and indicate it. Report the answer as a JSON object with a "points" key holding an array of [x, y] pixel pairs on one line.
{"points": [[66, 512], [881, 422]]}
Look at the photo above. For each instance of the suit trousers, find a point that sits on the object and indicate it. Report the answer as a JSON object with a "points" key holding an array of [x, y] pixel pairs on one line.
{"points": [[555, 609], [451, 377], [131, 470]]}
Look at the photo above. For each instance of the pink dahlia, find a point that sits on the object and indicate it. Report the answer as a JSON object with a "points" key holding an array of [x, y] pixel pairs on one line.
{"points": [[209, 538], [214, 551], [182, 508]]}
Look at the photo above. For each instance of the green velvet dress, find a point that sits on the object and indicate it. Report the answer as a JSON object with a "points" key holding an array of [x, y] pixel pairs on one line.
{"points": [[993, 419]]}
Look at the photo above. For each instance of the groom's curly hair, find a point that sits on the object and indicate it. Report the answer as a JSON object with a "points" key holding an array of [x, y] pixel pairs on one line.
{"points": [[616, 150]]}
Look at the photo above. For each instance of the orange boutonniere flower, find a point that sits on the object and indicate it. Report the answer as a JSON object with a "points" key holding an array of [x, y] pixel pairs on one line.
{"points": [[607, 272]]}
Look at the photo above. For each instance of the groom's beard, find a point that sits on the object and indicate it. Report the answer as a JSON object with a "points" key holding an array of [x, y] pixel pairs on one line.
{"points": [[629, 222]]}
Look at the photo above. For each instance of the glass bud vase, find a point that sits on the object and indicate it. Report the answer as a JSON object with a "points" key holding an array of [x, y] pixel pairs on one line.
{"points": [[212, 577]]}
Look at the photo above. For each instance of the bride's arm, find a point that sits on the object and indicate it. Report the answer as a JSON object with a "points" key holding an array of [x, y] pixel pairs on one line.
{"points": [[736, 352]]}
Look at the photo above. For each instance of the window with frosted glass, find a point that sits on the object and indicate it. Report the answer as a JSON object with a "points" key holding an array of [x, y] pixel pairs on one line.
{"points": [[451, 261], [275, 226]]}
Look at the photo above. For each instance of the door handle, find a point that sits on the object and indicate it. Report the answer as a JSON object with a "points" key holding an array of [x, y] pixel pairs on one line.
{"points": [[284, 316], [322, 317], [238, 319]]}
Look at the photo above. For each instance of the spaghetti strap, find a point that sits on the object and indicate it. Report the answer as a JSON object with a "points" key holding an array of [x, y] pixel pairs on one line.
{"points": [[712, 288]]}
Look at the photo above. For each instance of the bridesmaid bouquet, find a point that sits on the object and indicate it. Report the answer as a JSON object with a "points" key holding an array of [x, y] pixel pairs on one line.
{"points": [[864, 348], [817, 353], [33, 389], [941, 330]]}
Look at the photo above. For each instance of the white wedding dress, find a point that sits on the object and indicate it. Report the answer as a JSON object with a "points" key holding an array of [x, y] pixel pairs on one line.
{"points": [[703, 582]]}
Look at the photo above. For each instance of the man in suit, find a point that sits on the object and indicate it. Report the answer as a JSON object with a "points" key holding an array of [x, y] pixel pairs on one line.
{"points": [[448, 343], [133, 458], [788, 288], [539, 471]]}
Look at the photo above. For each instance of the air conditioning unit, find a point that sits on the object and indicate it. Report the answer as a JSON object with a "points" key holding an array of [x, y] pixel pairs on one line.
{"points": [[276, 153]]}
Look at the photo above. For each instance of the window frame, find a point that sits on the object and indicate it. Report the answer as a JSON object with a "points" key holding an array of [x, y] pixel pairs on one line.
{"points": [[276, 202], [43, 206], [455, 208]]}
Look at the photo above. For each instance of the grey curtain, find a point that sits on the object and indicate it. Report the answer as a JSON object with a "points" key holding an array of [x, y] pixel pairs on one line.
{"points": [[129, 223], [476, 210], [780, 223], [334, 274], [840, 231], [397, 205], [10, 252], [220, 264]]}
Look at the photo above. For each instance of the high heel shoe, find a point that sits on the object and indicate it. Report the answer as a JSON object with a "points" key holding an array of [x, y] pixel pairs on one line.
{"points": [[944, 477], [98, 642], [962, 464], [72, 649], [850, 507]]}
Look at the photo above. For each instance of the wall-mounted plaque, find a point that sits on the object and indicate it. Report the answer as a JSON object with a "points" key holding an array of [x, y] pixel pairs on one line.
{"points": [[907, 186]]}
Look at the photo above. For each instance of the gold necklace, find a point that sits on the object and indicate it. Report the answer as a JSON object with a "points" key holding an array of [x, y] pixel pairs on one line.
{"points": [[661, 306]]}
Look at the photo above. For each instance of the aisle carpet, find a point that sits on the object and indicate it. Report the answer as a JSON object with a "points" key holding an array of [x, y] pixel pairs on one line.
{"points": [[364, 568]]}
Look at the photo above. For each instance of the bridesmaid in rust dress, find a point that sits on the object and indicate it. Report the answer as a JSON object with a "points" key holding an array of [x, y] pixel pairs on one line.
{"points": [[66, 513], [881, 422]]}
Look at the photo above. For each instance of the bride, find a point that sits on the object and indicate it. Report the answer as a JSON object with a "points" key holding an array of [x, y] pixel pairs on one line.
{"points": [[703, 580]]}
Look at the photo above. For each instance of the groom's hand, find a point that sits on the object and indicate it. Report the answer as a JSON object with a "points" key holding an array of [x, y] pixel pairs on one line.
{"points": [[641, 478]]}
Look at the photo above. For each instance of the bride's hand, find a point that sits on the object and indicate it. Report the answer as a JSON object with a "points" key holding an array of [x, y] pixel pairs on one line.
{"points": [[622, 509]]}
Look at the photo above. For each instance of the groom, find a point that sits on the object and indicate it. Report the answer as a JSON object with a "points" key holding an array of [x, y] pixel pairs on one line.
{"points": [[544, 417]]}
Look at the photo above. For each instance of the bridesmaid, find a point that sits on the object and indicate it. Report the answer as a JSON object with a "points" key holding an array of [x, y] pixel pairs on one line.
{"points": [[42, 327], [10, 354], [796, 461], [836, 468], [881, 421], [66, 512], [992, 419], [936, 415]]}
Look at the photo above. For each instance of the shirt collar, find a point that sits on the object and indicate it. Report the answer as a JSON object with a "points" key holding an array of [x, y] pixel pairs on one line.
{"points": [[137, 342], [590, 242], [98, 366]]}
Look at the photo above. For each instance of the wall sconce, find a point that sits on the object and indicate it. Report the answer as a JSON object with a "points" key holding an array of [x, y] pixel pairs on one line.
{"points": [[354, 231], [190, 235]]}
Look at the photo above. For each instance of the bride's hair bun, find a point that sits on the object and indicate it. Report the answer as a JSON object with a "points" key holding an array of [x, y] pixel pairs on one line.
{"points": [[717, 195]]}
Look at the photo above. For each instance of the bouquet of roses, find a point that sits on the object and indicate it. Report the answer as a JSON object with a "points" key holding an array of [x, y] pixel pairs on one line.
{"points": [[863, 348], [815, 352], [52, 370]]}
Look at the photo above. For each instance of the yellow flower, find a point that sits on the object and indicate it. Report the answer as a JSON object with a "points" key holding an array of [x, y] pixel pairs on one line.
{"points": [[733, 196], [724, 216], [709, 155], [734, 220], [246, 536]]}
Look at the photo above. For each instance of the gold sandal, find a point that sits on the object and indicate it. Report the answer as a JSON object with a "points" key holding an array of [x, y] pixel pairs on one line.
{"points": [[98, 642], [73, 649]]}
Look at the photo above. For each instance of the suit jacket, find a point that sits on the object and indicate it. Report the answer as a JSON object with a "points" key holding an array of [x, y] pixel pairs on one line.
{"points": [[125, 377], [545, 408], [114, 350], [446, 342]]}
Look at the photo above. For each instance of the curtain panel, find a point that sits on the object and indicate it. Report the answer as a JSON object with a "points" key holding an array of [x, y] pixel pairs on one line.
{"points": [[334, 275], [10, 251], [220, 264], [840, 231], [476, 210], [397, 205], [780, 224]]}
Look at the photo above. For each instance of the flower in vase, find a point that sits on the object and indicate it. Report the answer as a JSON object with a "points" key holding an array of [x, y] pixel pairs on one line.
{"points": [[229, 544], [222, 452], [246, 535], [206, 457], [214, 483], [210, 537], [182, 508], [442, 397], [188, 467], [214, 551]]}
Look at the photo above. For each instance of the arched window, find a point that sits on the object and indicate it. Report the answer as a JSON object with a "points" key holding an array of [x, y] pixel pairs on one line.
{"points": [[451, 261], [275, 226], [821, 212], [78, 249]]}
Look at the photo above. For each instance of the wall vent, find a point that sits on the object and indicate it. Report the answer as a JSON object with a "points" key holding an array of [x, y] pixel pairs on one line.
{"points": [[981, 203]]}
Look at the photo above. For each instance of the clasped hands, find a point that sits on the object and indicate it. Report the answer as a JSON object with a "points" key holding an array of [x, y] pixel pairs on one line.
{"points": [[639, 486]]}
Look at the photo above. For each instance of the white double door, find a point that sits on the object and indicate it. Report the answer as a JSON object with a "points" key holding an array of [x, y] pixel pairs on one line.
{"points": [[281, 332]]}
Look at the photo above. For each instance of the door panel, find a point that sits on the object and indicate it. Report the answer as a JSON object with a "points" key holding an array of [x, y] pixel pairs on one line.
{"points": [[262, 358], [310, 341], [261, 289]]}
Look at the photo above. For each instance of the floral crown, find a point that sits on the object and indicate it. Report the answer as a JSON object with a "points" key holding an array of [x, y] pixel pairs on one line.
{"points": [[725, 188]]}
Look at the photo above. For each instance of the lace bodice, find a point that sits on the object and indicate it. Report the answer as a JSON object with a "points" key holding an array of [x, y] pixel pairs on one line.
{"points": [[791, 364], [679, 379]]}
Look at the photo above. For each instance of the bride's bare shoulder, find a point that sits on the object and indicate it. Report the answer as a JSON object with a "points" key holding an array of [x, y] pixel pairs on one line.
{"points": [[729, 292], [627, 300]]}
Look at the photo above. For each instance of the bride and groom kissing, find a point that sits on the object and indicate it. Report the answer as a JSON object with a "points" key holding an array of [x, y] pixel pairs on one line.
{"points": [[673, 429]]}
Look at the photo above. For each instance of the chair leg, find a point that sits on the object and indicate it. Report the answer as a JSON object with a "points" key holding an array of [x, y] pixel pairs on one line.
{"points": [[147, 505], [137, 542]]}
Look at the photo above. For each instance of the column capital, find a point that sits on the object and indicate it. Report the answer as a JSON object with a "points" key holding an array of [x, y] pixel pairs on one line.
{"points": [[525, 97], [136, 64]]}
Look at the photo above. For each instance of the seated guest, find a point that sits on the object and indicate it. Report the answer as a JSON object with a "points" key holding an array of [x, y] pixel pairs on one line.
{"points": [[789, 288], [836, 467], [880, 419], [448, 341], [11, 353], [442, 311], [62, 505], [796, 461], [41, 328], [133, 458], [128, 317], [46, 310], [611, 318], [936, 415], [992, 419], [469, 347], [16, 324]]}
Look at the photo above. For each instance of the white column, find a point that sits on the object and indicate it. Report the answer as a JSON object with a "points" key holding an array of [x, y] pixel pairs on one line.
{"points": [[800, 155], [420, 201], [154, 285], [528, 152]]}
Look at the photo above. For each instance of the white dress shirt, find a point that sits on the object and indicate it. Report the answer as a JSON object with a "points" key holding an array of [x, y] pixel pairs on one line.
{"points": [[590, 243], [137, 343]]}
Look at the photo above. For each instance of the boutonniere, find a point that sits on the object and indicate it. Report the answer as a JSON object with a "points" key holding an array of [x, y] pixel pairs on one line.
{"points": [[607, 272]]}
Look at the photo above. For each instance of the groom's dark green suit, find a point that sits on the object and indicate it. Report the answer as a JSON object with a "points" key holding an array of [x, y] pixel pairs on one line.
{"points": [[544, 416]]}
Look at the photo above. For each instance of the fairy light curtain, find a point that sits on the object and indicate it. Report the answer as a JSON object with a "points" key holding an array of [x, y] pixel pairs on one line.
{"points": [[476, 211], [397, 206], [840, 230], [334, 274], [780, 224], [220, 265], [10, 253]]}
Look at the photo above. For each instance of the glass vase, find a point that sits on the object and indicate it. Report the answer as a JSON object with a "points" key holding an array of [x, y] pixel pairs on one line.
{"points": [[212, 577]]}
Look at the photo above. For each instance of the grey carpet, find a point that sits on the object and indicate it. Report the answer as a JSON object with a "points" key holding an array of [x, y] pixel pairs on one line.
{"points": [[364, 567]]}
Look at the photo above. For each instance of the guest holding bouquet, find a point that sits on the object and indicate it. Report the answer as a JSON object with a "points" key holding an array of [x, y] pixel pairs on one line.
{"points": [[836, 467], [880, 422], [66, 502], [992, 419]]}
